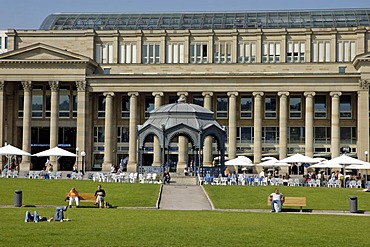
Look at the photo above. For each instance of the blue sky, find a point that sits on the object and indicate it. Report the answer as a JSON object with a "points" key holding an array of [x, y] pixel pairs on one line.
{"points": [[29, 14]]}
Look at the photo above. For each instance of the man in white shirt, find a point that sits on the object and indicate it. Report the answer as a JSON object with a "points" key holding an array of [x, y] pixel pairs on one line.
{"points": [[277, 198]]}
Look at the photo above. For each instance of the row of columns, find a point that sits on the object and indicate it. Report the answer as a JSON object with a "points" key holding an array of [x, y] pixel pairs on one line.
{"points": [[183, 143], [208, 158], [54, 120]]}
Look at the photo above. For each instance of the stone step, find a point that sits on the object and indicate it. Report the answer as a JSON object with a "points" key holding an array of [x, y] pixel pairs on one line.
{"points": [[183, 180]]}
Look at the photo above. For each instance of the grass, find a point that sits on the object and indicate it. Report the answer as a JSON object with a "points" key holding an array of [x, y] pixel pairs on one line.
{"points": [[255, 197], [125, 227], [52, 192], [151, 227]]}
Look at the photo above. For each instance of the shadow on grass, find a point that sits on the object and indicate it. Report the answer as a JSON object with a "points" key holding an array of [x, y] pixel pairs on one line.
{"points": [[294, 210]]}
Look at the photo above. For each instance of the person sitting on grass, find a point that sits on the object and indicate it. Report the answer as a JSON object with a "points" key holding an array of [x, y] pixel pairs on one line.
{"points": [[100, 195], [59, 214], [73, 196]]}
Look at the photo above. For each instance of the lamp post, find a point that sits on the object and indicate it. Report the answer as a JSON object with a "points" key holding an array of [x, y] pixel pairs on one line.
{"points": [[83, 154], [77, 149]]}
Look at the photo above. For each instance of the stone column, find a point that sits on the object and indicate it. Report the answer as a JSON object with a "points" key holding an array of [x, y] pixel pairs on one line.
{"points": [[26, 137], [363, 119], [2, 117], [309, 138], [157, 154], [257, 151], [108, 131], [232, 124], [207, 151], [132, 153], [82, 118], [183, 151], [283, 124], [54, 120], [335, 130]]}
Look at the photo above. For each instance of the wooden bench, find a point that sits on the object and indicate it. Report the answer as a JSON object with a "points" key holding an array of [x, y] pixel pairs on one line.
{"points": [[87, 197], [292, 201]]}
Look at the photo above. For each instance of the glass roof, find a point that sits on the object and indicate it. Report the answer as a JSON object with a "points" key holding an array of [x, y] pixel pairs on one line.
{"points": [[208, 20]]}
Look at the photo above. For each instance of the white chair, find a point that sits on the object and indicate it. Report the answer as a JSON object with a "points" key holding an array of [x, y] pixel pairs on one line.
{"points": [[311, 183], [290, 182], [58, 175], [358, 184], [352, 184], [297, 182], [15, 174], [318, 183]]}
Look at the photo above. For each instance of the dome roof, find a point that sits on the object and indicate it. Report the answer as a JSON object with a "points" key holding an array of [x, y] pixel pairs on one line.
{"points": [[170, 115]]}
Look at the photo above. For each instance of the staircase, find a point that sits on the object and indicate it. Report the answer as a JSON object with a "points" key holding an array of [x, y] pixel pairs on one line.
{"points": [[180, 180]]}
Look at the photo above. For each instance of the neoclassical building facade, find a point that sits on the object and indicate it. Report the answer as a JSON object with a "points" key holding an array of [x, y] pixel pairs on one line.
{"points": [[280, 82]]}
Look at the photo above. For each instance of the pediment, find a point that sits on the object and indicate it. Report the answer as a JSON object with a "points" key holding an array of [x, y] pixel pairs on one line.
{"points": [[361, 60], [41, 52]]}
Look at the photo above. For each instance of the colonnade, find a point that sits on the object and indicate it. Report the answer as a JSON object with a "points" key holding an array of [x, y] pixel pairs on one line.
{"points": [[83, 109]]}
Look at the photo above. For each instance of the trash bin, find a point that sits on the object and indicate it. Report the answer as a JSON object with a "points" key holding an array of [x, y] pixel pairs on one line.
{"points": [[353, 204], [18, 198]]}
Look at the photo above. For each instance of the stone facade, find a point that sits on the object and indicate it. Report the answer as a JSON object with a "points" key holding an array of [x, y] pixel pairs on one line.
{"points": [[278, 91]]}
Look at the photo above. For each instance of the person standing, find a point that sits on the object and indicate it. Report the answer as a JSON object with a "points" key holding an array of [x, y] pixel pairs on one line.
{"points": [[100, 195]]}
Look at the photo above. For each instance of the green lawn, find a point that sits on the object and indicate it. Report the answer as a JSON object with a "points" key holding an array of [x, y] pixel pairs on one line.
{"points": [[52, 192], [152, 227], [130, 227], [255, 197]]}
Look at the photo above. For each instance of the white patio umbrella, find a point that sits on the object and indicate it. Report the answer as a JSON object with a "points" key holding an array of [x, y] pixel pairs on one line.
{"points": [[272, 162], [325, 164], [9, 151], [239, 161], [298, 158], [58, 152]]}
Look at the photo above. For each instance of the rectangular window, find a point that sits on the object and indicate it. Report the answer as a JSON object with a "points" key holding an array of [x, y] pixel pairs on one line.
{"points": [[127, 53], [246, 104], [99, 133], [320, 106], [244, 134], [345, 107], [74, 105], [322, 135], [64, 102], [101, 106], [6, 42], [320, 51], [270, 134], [222, 52], [104, 53], [296, 134], [37, 103], [270, 107], [175, 53], [125, 107], [198, 100], [221, 107], [295, 52], [346, 51], [122, 134], [348, 135], [149, 105], [270, 52], [1, 42], [151, 53], [295, 107], [20, 106], [247, 52], [198, 53]]}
